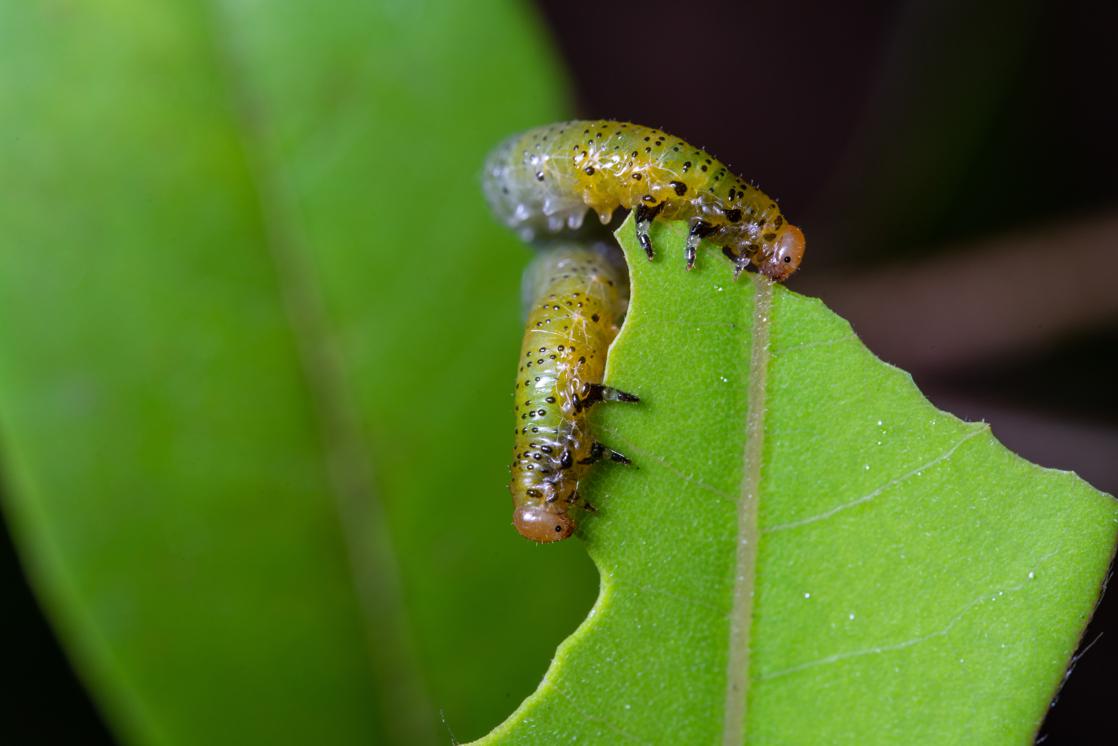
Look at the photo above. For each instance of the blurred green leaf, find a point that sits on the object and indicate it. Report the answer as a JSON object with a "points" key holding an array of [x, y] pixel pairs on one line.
{"points": [[258, 335], [808, 552]]}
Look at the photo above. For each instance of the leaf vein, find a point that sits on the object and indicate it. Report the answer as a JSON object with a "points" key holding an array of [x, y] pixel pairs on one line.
{"points": [[630, 447], [943, 457], [808, 345], [745, 562], [609, 724], [911, 642], [371, 563]]}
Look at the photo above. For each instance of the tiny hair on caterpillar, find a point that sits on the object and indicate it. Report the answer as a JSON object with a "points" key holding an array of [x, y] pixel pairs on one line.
{"points": [[544, 180]]}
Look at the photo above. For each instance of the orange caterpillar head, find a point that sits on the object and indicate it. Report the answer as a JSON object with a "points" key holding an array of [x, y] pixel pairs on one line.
{"points": [[782, 256], [537, 523]]}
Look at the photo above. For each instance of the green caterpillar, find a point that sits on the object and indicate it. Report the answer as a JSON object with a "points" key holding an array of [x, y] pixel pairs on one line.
{"points": [[546, 178], [576, 297]]}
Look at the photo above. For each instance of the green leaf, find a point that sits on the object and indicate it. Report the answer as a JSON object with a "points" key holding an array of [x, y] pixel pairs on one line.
{"points": [[808, 551], [258, 334]]}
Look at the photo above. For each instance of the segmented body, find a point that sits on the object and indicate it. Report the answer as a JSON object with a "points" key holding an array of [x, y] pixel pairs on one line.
{"points": [[575, 297], [546, 178]]}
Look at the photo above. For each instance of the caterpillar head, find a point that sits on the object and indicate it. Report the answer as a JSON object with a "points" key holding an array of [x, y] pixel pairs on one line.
{"points": [[537, 523], [782, 256]]}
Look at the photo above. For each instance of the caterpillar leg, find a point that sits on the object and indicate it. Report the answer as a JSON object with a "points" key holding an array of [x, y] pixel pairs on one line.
{"points": [[576, 498], [599, 451], [699, 230], [740, 260], [644, 216], [596, 392]]}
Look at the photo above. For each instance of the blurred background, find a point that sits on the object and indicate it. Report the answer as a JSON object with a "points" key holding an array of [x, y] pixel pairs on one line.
{"points": [[952, 164]]}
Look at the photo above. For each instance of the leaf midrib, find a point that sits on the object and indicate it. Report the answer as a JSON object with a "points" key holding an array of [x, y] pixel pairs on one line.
{"points": [[745, 563], [371, 561]]}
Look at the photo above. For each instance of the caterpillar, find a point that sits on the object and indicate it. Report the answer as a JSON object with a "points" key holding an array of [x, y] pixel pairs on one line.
{"points": [[545, 179], [575, 297]]}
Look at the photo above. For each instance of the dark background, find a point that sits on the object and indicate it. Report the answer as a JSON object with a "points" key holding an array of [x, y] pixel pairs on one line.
{"points": [[953, 166]]}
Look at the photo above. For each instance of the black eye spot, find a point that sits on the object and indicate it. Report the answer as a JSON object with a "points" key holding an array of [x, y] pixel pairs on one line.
{"points": [[787, 260]]}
